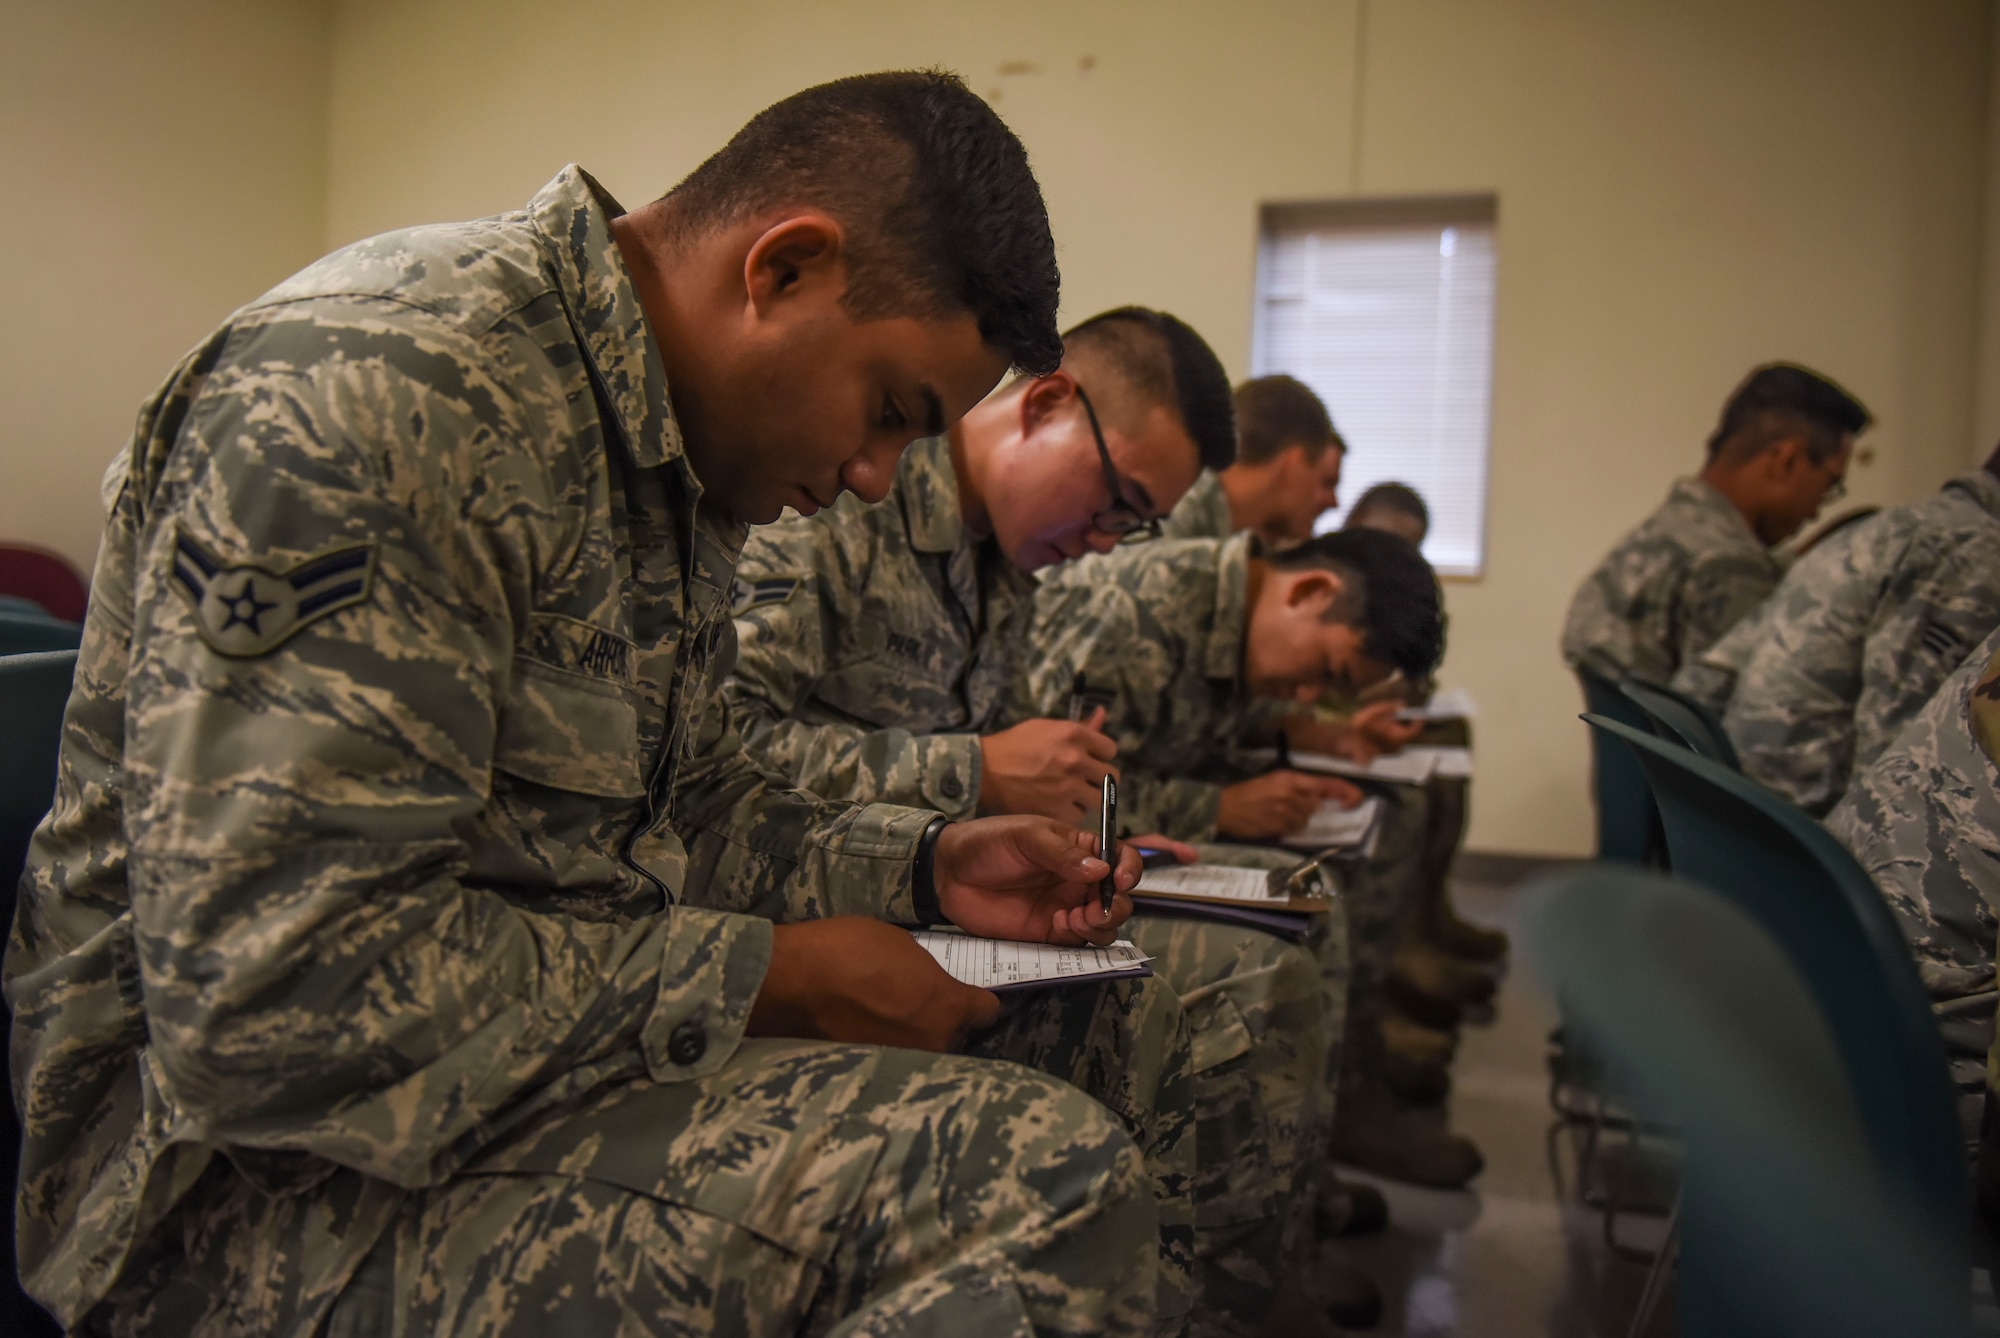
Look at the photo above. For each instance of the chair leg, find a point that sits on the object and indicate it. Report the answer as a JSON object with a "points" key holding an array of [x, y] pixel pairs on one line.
{"points": [[1656, 1276]]}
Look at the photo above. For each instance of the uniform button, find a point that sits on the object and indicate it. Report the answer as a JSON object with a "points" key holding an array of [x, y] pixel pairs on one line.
{"points": [[950, 787], [688, 1043]]}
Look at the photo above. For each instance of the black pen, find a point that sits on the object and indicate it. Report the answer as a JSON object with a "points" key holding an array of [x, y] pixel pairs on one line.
{"points": [[1284, 751], [1107, 823], [1076, 690]]}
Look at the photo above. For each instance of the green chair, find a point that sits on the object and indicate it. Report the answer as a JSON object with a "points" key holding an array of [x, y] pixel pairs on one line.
{"points": [[1628, 826], [34, 689], [26, 633], [1679, 718], [1733, 836], [1810, 1203]]}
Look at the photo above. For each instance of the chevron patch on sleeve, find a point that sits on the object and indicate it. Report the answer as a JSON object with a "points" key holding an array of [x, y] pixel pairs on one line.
{"points": [[246, 610]]}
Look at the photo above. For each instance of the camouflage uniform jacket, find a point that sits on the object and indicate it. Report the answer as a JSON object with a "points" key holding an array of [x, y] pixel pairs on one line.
{"points": [[1670, 588], [875, 642], [1158, 629], [1860, 635], [389, 727], [1924, 820], [1203, 513]]}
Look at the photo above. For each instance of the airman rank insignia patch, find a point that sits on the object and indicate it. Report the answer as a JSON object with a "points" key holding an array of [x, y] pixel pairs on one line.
{"points": [[745, 594], [248, 610]]}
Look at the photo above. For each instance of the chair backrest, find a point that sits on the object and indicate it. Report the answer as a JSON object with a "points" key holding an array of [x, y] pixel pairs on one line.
{"points": [[26, 633], [1628, 826], [34, 690], [45, 578], [1730, 834], [1679, 718], [1794, 1225]]}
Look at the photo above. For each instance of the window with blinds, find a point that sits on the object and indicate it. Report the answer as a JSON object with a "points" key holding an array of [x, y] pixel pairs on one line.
{"points": [[1386, 310]]}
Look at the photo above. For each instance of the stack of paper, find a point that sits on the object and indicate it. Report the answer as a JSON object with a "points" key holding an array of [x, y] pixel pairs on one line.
{"points": [[1002, 964], [1222, 884], [1334, 827], [1451, 704], [1412, 766]]}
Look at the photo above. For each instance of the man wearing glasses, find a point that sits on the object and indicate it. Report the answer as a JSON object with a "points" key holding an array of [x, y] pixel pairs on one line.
{"points": [[876, 643], [1673, 586]]}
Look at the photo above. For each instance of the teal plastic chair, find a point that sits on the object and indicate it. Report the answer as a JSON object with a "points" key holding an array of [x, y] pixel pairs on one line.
{"points": [[1733, 836], [1677, 717], [26, 633], [34, 689], [1628, 826], [1799, 1216]]}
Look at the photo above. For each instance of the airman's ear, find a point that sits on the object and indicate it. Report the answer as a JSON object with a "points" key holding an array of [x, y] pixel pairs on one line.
{"points": [[1313, 591], [1044, 398], [801, 254]]}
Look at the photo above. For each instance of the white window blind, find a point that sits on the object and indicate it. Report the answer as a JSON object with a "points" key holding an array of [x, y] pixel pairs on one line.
{"points": [[1391, 324]]}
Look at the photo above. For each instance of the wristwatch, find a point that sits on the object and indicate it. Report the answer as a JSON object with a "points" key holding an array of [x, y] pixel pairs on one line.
{"points": [[923, 883]]}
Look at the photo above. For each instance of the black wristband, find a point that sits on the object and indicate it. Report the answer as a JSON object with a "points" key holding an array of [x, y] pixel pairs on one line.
{"points": [[923, 880]]}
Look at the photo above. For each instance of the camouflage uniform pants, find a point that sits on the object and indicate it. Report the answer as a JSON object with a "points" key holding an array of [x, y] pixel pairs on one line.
{"points": [[1253, 1001], [1382, 892], [802, 1188], [1128, 1045]]}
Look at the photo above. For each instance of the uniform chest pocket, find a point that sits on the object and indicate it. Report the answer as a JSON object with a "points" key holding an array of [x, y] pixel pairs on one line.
{"points": [[570, 731], [890, 689]]}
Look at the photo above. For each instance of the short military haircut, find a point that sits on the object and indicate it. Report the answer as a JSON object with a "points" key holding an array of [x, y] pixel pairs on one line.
{"points": [[1391, 594], [1277, 412], [1397, 497], [1781, 400], [940, 209], [1157, 359]]}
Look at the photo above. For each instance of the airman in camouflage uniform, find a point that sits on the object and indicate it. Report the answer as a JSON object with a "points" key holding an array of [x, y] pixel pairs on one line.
{"points": [[874, 644], [1924, 820], [1160, 631], [358, 979], [1859, 636], [1670, 588], [1203, 513]]}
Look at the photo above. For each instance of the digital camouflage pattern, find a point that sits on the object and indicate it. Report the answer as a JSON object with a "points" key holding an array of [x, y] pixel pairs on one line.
{"points": [[1157, 629], [395, 898], [1257, 1019], [1860, 635], [798, 1188], [876, 673], [875, 643], [1924, 820], [1670, 588], [1203, 513]]}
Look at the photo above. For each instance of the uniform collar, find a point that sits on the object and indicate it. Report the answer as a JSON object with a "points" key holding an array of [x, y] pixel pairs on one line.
{"points": [[1982, 487], [1702, 495], [574, 213], [1223, 657], [929, 488]]}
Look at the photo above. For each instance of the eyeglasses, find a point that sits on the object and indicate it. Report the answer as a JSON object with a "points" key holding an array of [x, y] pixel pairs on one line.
{"points": [[1123, 517]]}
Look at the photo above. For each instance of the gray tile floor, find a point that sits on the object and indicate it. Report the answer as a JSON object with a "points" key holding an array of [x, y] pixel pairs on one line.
{"points": [[1509, 1258]]}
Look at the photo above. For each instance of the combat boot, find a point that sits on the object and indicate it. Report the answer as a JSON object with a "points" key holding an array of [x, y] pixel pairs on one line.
{"points": [[1347, 1207], [1462, 938], [1374, 1133], [1419, 1004], [1438, 973], [1414, 1083], [1410, 1041]]}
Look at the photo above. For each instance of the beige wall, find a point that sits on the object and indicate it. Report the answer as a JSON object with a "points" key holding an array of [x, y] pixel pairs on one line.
{"points": [[1684, 190], [165, 164]]}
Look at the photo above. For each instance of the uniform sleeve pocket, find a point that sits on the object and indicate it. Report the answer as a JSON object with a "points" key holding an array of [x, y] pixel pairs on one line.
{"points": [[570, 732]]}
